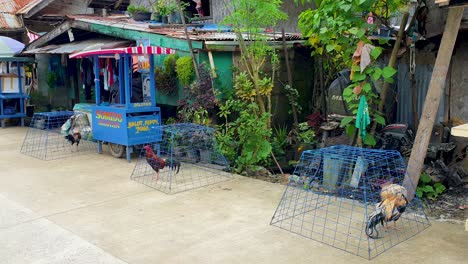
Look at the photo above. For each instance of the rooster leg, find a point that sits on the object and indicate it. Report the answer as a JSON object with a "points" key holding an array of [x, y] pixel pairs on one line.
{"points": [[391, 227], [157, 176]]}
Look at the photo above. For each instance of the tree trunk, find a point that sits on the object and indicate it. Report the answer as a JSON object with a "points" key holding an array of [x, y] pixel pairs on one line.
{"points": [[260, 101], [290, 82], [391, 63]]}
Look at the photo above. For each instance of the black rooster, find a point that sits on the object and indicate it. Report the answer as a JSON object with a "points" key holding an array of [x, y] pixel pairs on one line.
{"points": [[75, 138]]}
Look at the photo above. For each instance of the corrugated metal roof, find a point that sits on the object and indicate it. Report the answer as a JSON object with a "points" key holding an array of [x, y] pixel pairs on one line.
{"points": [[69, 48], [8, 19], [201, 33], [11, 6], [10, 22], [28, 6]]}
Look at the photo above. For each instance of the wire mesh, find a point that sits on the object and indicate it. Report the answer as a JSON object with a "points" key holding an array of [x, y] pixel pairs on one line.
{"points": [[58, 135], [191, 159], [351, 198]]}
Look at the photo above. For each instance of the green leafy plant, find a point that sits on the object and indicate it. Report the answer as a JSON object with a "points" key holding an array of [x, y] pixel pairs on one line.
{"points": [[362, 84], [171, 120], [51, 80], [293, 98], [253, 137], [166, 7], [131, 9], [184, 70], [279, 140], [199, 99], [170, 64], [248, 19], [427, 188], [334, 30], [39, 101], [245, 140], [306, 134], [226, 133]]}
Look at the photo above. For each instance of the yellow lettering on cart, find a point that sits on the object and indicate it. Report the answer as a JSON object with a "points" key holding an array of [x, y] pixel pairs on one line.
{"points": [[141, 126], [142, 129], [142, 104], [135, 124]]}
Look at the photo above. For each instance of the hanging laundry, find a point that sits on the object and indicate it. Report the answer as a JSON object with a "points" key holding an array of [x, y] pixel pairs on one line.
{"points": [[362, 117], [110, 71], [362, 56], [105, 79]]}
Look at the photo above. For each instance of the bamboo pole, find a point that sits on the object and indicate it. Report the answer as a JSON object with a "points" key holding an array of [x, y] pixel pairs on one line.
{"points": [[391, 63], [189, 41]]}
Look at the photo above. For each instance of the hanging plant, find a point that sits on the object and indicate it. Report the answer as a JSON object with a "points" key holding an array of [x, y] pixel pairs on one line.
{"points": [[184, 70], [170, 64], [165, 83], [51, 79]]}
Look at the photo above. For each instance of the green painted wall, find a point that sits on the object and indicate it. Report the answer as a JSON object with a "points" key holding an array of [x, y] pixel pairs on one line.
{"points": [[223, 65]]}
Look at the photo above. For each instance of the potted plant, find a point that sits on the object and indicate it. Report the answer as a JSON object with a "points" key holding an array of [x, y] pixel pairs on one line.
{"points": [[139, 13], [160, 11], [173, 10]]}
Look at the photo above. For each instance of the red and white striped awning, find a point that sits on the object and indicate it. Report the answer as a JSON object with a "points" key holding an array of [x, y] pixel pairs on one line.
{"points": [[149, 50], [155, 50]]}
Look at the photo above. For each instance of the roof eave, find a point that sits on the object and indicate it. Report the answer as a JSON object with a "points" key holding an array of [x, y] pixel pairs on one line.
{"points": [[234, 45]]}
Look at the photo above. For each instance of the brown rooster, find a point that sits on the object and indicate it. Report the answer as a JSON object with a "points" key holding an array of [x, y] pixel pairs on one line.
{"points": [[158, 163], [392, 206]]}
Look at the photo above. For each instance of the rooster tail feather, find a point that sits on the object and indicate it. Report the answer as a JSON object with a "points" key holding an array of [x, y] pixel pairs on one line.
{"points": [[178, 167]]}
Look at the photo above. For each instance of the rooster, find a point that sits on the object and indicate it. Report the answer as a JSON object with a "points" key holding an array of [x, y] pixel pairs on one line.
{"points": [[74, 138], [392, 206], [158, 163]]}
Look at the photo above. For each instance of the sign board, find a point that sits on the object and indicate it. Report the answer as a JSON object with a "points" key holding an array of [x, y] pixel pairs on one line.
{"points": [[9, 83], [143, 60]]}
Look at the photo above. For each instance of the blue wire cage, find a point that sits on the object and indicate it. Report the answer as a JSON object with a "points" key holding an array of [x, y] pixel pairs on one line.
{"points": [[192, 159], [333, 193], [46, 135]]}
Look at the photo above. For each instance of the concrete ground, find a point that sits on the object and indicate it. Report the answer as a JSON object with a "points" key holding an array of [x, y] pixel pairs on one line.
{"points": [[86, 210]]}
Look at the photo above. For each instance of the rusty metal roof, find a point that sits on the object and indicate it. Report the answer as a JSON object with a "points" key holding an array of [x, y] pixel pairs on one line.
{"points": [[196, 32], [8, 19], [28, 6], [77, 46]]}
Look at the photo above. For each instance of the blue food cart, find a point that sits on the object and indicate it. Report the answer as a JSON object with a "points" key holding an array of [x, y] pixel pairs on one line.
{"points": [[125, 124]]}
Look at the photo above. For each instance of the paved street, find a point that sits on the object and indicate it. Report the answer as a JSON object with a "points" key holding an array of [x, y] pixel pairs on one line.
{"points": [[87, 210]]}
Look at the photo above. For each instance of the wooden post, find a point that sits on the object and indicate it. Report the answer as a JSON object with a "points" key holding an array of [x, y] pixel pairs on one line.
{"points": [[431, 104]]}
